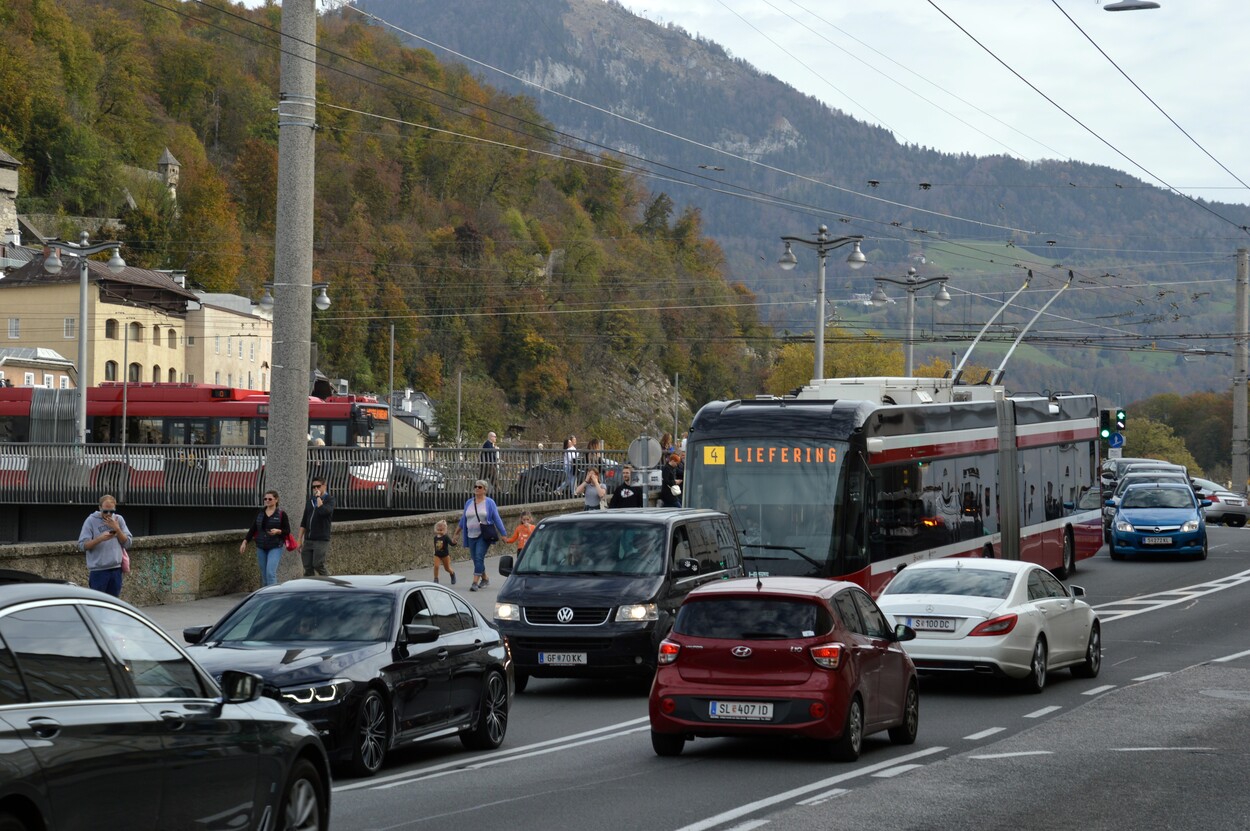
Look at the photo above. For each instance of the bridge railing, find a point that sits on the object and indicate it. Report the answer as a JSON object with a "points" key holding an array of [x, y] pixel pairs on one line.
{"points": [[383, 479]]}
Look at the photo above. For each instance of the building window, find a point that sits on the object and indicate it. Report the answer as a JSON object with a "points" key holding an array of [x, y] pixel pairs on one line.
{"points": [[229, 347], [240, 348], [190, 340], [172, 339], [249, 379], [29, 379], [156, 336], [229, 379], [217, 345], [15, 327], [48, 380], [190, 378], [173, 375], [251, 351], [71, 328], [216, 377], [110, 371], [136, 332], [64, 382], [110, 329], [135, 374]]}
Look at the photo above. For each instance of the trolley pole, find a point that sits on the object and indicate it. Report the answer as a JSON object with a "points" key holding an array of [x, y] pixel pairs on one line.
{"points": [[1241, 366]]}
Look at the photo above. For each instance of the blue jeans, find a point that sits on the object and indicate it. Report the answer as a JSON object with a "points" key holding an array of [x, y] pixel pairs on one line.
{"points": [[477, 550], [570, 483], [267, 562], [107, 580]]}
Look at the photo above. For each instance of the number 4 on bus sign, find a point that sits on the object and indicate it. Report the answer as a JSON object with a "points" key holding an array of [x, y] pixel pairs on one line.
{"points": [[714, 455]]}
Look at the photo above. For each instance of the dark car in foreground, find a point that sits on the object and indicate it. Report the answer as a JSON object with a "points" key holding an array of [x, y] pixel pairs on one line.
{"points": [[371, 662], [1161, 518], [106, 723], [784, 656]]}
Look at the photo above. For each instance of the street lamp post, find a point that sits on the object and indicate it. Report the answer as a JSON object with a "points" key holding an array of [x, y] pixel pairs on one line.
{"points": [[911, 285], [823, 244], [52, 264]]}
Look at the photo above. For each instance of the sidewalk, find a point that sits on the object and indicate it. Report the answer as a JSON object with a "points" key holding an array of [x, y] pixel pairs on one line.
{"points": [[175, 617]]}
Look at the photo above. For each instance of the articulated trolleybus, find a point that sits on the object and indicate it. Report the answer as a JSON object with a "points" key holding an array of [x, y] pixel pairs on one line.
{"points": [[851, 478]]}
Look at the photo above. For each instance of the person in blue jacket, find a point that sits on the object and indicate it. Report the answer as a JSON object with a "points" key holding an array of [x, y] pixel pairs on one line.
{"points": [[103, 539], [480, 525]]}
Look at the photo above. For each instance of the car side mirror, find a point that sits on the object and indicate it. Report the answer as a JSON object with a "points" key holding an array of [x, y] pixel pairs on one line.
{"points": [[417, 633], [687, 565], [240, 687], [1110, 503], [1207, 503], [195, 634], [903, 632], [1077, 591], [506, 564]]}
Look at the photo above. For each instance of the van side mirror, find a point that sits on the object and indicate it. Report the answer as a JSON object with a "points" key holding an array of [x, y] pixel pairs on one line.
{"points": [[506, 564], [687, 565]]}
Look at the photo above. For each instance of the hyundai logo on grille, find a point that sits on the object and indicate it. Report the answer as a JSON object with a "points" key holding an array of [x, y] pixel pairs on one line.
{"points": [[741, 651], [565, 615]]}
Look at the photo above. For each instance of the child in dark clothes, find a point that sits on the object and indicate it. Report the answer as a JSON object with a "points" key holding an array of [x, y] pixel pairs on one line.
{"points": [[442, 550]]}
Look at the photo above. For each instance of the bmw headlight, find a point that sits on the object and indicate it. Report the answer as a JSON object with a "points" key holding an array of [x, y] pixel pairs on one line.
{"points": [[1124, 526], [637, 613], [325, 692], [1189, 527], [507, 611]]}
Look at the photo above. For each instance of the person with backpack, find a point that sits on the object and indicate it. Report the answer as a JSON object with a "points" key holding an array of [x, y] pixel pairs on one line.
{"points": [[270, 530]]}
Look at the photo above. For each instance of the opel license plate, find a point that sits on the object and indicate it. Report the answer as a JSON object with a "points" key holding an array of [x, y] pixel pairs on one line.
{"points": [[747, 710], [1156, 541], [562, 659]]}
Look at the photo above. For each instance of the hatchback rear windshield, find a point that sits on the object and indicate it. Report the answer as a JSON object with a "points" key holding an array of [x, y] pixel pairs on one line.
{"points": [[753, 619], [966, 582]]}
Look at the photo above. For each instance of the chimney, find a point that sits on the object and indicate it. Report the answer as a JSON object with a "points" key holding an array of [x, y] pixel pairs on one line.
{"points": [[12, 236]]}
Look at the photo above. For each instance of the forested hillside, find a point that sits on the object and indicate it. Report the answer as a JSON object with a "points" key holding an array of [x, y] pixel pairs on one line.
{"points": [[1153, 271], [563, 292]]}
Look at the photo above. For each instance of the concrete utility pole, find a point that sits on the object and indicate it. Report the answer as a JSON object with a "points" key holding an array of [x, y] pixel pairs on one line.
{"points": [[1241, 366], [286, 454]]}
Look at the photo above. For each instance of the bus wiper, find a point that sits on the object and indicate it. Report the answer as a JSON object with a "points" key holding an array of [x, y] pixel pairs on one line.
{"points": [[795, 549]]}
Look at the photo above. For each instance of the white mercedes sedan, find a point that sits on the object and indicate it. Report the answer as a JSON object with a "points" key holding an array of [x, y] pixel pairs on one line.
{"points": [[1003, 618]]}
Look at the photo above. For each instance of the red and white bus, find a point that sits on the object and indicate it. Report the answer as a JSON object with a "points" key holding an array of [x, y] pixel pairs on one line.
{"points": [[197, 436], [852, 478]]}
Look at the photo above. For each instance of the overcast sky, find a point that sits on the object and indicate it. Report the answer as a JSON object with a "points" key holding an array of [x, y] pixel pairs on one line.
{"points": [[909, 67]]}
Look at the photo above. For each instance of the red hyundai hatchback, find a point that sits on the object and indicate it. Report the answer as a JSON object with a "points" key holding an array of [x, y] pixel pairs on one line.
{"points": [[783, 656]]}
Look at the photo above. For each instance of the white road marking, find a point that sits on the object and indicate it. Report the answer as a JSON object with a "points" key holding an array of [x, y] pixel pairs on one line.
{"points": [[824, 797], [1228, 658], [1151, 676], [984, 734], [1045, 711], [504, 755], [747, 826], [766, 802], [1012, 755], [1155, 749], [890, 773], [1097, 690], [1108, 612]]}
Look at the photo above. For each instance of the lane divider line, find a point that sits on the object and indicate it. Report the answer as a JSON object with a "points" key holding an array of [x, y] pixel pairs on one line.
{"points": [[1045, 711]]}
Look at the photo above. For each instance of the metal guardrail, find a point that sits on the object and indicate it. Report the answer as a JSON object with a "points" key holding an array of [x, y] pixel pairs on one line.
{"points": [[400, 479]]}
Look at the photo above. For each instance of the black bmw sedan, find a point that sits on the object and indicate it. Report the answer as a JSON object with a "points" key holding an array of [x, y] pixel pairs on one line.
{"points": [[106, 723], [371, 662]]}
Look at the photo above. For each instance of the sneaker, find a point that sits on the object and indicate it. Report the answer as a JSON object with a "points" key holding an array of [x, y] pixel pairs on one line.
{"points": [[473, 588], [436, 580], [484, 583], [453, 578]]}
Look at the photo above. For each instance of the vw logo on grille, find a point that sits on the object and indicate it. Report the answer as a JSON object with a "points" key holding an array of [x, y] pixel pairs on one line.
{"points": [[741, 651], [565, 615]]}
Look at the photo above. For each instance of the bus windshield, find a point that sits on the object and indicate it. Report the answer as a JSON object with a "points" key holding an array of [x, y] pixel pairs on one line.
{"points": [[782, 499]]}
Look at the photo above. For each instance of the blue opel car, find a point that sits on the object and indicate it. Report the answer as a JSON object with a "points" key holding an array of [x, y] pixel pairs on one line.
{"points": [[1159, 518]]}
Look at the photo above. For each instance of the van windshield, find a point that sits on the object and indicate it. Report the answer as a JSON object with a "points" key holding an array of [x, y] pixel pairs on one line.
{"points": [[595, 548]]}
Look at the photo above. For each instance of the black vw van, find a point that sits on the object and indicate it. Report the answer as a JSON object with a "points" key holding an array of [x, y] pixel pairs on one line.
{"points": [[595, 592]]}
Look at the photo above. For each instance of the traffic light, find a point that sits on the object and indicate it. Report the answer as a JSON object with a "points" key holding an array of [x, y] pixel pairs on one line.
{"points": [[1121, 416], [1104, 423]]}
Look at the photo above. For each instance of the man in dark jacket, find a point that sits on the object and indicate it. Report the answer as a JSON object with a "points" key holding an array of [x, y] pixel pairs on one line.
{"points": [[314, 529], [626, 495]]}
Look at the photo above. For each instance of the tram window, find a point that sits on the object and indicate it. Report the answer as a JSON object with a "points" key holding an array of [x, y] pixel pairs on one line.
{"points": [[234, 432], [145, 431], [14, 428]]}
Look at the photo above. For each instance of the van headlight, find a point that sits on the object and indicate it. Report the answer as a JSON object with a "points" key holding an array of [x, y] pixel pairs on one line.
{"points": [[637, 613], [326, 692], [507, 611]]}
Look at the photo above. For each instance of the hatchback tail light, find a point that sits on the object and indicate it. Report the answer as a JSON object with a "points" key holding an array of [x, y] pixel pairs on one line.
{"points": [[668, 652], [827, 655], [995, 626]]}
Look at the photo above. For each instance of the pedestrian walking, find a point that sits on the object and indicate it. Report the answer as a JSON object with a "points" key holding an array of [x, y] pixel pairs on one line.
{"points": [[314, 529], [489, 460], [626, 495], [521, 533], [593, 490], [270, 530], [442, 550], [480, 525], [670, 481], [104, 538], [570, 464]]}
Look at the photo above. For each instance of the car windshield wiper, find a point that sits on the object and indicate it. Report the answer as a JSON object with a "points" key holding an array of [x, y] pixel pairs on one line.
{"points": [[795, 549]]}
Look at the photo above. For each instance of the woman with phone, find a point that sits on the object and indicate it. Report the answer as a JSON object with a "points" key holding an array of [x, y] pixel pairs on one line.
{"points": [[104, 538]]}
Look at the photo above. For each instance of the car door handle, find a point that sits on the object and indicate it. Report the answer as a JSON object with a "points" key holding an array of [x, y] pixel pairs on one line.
{"points": [[44, 728], [173, 719], [442, 654]]}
